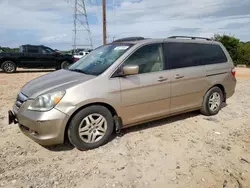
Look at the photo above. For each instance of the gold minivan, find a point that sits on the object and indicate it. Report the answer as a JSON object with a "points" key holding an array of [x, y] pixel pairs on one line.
{"points": [[127, 82]]}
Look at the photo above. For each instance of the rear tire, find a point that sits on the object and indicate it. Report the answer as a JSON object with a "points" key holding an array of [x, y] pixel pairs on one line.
{"points": [[65, 65], [91, 127], [212, 102], [9, 67]]}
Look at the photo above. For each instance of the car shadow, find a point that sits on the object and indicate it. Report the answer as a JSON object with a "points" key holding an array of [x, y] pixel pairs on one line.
{"points": [[144, 126], [160, 122], [224, 105], [67, 146]]}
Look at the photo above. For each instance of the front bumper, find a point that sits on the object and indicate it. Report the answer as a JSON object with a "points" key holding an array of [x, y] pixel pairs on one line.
{"points": [[45, 128]]}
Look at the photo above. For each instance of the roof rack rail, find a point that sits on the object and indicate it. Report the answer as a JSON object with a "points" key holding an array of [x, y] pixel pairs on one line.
{"points": [[129, 39], [190, 37]]}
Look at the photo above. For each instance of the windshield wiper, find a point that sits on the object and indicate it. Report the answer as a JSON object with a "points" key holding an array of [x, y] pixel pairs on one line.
{"points": [[77, 70]]}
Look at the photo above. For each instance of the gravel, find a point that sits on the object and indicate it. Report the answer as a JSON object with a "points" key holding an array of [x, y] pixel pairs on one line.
{"points": [[181, 151]]}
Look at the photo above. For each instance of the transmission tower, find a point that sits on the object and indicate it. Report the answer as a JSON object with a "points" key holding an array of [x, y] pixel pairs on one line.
{"points": [[81, 32]]}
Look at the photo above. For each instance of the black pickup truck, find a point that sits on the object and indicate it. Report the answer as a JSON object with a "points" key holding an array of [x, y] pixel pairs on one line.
{"points": [[31, 56]]}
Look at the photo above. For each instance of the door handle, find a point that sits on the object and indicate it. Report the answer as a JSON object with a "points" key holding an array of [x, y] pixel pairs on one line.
{"points": [[161, 79], [178, 76]]}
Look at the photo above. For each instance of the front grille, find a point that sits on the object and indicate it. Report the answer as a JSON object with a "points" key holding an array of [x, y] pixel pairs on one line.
{"points": [[21, 98]]}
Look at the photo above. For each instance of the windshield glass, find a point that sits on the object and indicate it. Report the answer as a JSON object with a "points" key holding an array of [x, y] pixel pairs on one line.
{"points": [[47, 49], [97, 61]]}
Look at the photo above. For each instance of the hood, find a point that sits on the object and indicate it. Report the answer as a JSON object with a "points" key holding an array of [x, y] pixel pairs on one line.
{"points": [[61, 80]]}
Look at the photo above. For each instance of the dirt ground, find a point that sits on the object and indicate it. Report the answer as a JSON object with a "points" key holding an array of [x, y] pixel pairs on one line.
{"points": [[188, 150]]}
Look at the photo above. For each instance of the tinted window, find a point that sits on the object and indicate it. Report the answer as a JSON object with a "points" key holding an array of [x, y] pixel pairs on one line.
{"points": [[180, 55], [212, 54], [32, 49], [47, 50], [149, 58], [21, 49]]}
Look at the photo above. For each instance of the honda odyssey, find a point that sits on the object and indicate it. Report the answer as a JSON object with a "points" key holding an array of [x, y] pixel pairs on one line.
{"points": [[127, 82]]}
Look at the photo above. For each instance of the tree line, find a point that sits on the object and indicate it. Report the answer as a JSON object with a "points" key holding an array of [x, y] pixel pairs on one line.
{"points": [[7, 49], [238, 50]]}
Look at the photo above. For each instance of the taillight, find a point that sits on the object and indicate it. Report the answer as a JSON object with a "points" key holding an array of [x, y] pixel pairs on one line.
{"points": [[76, 59], [233, 72]]}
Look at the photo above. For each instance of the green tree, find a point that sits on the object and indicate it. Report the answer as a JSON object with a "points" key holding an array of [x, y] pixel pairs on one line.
{"points": [[244, 54], [232, 44]]}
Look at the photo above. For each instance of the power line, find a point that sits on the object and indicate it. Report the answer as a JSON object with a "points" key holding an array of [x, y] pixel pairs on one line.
{"points": [[80, 24]]}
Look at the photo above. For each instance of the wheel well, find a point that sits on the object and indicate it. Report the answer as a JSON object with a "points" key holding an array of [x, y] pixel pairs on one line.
{"points": [[68, 60], [222, 89], [109, 107], [62, 61]]}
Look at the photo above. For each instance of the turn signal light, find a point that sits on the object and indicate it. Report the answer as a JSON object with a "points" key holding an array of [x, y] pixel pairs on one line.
{"points": [[233, 72]]}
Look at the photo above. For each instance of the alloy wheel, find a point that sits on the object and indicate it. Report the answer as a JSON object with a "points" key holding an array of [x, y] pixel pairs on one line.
{"points": [[92, 128], [8, 67], [214, 101]]}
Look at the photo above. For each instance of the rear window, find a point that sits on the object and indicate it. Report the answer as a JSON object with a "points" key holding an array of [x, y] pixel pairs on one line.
{"points": [[180, 55]]}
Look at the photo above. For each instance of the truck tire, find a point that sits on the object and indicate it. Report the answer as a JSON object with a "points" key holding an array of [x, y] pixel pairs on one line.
{"points": [[65, 65], [9, 66]]}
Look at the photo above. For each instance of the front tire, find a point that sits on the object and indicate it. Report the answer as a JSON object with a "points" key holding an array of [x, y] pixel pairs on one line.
{"points": [[91, 127], [212, 102], [9, 67]]}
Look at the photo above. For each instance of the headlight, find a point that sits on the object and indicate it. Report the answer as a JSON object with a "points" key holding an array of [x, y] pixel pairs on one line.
{"points": [[47, 101]]}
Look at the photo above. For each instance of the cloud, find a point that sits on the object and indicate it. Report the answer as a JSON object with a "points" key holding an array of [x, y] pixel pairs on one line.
{"points": [[53, 38], [40, 21]]}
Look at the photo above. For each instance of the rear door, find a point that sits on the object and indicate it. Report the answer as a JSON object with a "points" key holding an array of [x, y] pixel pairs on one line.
{"points": [[187, 75], [147, 94], [30, 57]]}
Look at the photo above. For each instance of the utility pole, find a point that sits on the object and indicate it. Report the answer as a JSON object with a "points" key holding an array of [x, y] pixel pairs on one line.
{"points": [[75, 26], [104, 21]]}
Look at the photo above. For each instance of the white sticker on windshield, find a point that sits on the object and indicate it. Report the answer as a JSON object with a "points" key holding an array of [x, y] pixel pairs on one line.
{"points": [[120, 47]]}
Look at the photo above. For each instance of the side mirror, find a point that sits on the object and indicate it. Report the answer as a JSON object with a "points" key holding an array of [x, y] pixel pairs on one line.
{"points": [[130, 69]]}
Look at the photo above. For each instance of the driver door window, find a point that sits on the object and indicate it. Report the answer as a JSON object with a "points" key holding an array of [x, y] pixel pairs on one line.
{"points": [[149, 58]]}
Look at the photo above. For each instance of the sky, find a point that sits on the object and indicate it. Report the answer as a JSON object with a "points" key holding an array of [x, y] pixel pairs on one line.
{"points": [[50, 22]]}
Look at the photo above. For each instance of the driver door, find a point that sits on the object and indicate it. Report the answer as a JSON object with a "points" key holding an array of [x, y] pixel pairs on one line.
{"points": [[47, 58], [145, 95]]}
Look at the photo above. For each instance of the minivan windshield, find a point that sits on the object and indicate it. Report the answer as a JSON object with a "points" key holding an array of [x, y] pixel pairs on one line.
{"points": [[100, 59]]}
